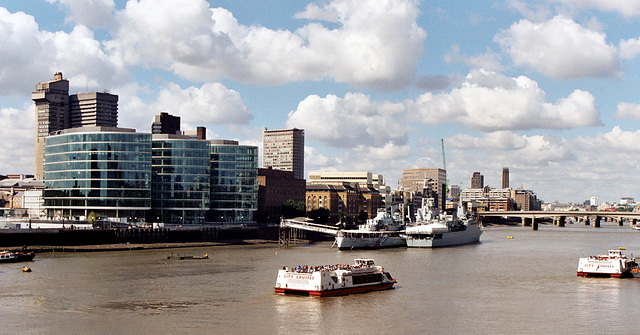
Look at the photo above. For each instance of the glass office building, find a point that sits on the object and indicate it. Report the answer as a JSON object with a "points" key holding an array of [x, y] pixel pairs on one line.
{"points": [[105, 170], [180, 182], [234, 182]]}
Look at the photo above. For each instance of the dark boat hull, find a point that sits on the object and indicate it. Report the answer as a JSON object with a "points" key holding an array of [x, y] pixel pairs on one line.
{"points": [[20, 257]]}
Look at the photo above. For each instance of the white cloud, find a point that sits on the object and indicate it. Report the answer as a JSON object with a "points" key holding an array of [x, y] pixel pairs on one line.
{"points": [[28, 54], [627, 110], [555, 168], [559, 48], [17, 139], [376, 43], [92, 13], [627, 8], [210, 104], [489, 101], [349, 121], [630, 48]]}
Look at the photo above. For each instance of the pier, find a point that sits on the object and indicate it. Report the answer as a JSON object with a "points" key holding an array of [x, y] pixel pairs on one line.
{"points": [[292, 230], [559, 218]]}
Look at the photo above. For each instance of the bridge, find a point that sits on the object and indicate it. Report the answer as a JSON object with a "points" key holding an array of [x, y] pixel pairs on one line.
{"points": [[559, 217], [293, 229]]}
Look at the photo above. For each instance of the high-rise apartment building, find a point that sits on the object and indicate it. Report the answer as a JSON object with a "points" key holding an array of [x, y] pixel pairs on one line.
{"points": [[52, 114], [56, 110], [93, 109], [505, 177], [477, 180], [284, 150]]}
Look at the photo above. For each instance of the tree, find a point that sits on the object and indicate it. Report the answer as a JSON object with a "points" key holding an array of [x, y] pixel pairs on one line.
{"points": [[291, 209], [91, 219]]}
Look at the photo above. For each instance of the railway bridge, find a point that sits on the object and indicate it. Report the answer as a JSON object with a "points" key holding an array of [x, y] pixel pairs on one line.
{"points": [[560, 217]]}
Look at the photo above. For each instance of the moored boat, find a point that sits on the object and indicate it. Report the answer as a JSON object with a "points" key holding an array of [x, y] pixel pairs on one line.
{"points": [[436, 230], [383, 231], [613, 264], [329, 280], [14, 257]]}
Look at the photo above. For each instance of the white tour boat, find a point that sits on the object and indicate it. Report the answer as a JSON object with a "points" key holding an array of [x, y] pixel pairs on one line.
{"points": [[383, 231], [614, 264], [340, 279], [433, 230]]}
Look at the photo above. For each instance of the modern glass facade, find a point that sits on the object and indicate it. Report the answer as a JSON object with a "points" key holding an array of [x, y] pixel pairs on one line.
{"points": [[180, 183], [101, 169], [234, 182]]}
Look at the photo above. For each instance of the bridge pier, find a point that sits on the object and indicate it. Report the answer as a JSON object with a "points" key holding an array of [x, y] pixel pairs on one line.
{"points": [[596, 222], [534, 224], [586, 221], [526, 222], [633, 222], [620, 222], [561, 221]]}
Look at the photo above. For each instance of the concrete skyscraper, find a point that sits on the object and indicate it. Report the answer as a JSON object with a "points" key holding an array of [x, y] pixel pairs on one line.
{"points": [[52, 114], [505, 177], [284, 150], [56, 110]]}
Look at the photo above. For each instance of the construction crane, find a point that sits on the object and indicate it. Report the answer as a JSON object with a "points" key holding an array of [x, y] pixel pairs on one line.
{"points": [[444, 166]]}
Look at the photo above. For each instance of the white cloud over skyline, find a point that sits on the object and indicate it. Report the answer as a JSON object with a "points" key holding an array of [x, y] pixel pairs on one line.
{"points": [[375, 84]]}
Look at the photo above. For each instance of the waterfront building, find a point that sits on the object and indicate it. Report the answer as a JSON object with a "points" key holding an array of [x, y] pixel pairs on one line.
{"points": [[180, 179], [505, 177], [627, 201], [363, 180], [594, 201], [274, 188], [415, 180], [477, 180], [283, 149], [56, 110], [488, 199], [165, 123], [105, 170], [526, 200], [33, 201], [326, 196], [20, 195], [234, 182]]}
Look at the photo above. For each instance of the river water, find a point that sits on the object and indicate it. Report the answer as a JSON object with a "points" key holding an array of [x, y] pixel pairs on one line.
{"points": [[524, 285]]}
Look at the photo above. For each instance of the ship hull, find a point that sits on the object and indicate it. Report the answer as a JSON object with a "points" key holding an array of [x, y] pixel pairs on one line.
{"points": [[335, 292], [347, 243], [448, 239]]}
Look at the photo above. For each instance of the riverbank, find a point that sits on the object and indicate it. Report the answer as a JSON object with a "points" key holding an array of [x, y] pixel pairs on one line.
{"points": [[138, 246]]}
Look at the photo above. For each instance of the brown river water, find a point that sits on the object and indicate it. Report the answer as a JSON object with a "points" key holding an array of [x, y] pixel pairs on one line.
{"points": [[524, 285]]}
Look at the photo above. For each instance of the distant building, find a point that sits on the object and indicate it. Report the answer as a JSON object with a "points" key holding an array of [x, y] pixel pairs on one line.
{"points": [[526, 200], [274, 188], [56, 110], [415, 180], [594, 201], [93, 109], [477, 180], [489, 199], [284, 150], [627, 201], [505, 177], [165, 123]]}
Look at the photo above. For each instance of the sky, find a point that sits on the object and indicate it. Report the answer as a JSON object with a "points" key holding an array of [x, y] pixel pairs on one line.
{"points": [[547, 88]]}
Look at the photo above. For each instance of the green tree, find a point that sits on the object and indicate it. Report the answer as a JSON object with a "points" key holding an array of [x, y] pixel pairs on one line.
{"points": [[91, 219], [291, 209]]}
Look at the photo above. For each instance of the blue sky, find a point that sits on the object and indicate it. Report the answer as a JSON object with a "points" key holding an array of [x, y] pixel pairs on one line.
{"points": [[547, 88]]}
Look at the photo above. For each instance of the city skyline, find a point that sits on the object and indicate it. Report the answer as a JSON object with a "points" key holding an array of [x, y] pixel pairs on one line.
{"points": [[374, 84]]}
